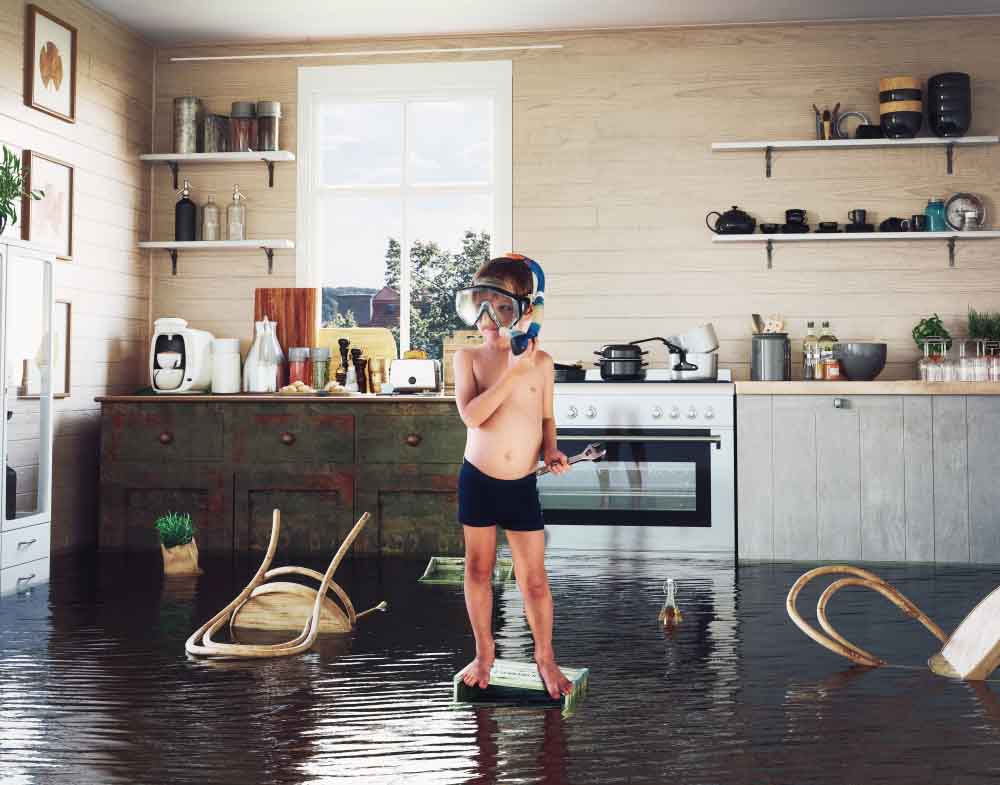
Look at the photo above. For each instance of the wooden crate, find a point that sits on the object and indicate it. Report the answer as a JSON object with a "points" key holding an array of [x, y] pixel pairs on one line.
{"points": [[449, 346]]}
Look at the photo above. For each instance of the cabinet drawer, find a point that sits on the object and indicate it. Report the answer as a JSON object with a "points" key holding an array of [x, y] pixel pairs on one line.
{"points": [[24, 577], [289, 433], [23, 545], [411, 439], [163, 432]]}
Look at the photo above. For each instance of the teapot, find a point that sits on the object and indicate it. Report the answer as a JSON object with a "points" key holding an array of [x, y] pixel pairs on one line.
{"points": [[733, 221]]}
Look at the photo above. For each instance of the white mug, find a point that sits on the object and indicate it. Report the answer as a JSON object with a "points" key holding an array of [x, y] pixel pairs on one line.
{"points": [[169, 360], [700, 339]]}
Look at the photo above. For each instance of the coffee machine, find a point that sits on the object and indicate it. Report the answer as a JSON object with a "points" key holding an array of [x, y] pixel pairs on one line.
{"points": [[180, 357]]}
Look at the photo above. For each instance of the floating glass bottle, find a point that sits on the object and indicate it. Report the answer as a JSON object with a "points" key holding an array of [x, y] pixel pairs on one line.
{"points": [[670, 614]]}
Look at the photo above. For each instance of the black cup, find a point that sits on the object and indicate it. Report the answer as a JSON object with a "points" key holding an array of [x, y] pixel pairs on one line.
{"points": [[894, 225], [795, 216], [858, 217], [828, 226], [918, 223]]}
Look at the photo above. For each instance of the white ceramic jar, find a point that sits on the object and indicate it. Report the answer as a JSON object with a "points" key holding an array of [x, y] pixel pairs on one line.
{"points": [[226, 365]]}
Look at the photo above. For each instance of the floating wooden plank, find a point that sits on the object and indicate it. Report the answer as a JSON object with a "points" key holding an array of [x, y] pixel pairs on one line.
{"points": [[972, 652], [519, 683], [451, 570]]}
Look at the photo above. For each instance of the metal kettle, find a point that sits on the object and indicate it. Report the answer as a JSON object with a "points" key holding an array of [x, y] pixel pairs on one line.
{"points": [[734, 221]]}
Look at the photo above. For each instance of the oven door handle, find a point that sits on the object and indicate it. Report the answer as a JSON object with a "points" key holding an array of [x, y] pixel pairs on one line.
{"points": [[608, 438]]}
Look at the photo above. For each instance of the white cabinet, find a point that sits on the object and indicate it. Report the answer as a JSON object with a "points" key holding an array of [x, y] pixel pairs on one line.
{"points": [[28, 355], [869, 478]]}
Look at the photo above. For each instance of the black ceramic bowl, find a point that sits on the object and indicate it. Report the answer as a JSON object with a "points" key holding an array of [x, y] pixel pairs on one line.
{"points": [[868, 132], [948, 125], [899, 95], [860, 362], [953, 79], [768, 228], [901, 125]]}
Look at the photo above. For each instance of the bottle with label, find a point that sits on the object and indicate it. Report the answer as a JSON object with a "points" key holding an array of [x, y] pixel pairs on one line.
{"points": [[826, 341], [810, 352], [236, 217], [210, 220], [185, 216]]}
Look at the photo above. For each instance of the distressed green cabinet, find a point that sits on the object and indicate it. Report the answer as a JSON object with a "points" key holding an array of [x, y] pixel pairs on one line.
{"points": [[322, 462]]}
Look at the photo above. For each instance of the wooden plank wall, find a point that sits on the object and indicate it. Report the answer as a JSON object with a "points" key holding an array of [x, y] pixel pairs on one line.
{"points": [[108, 279], [613, 176]]}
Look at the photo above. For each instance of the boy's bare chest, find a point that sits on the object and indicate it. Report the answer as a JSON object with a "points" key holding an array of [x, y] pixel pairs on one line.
{"points": [[527, 391]]}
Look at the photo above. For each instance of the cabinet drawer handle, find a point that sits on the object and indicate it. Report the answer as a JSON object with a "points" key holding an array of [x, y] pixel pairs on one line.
{"points": [[166, 437], [25, 543], [413, 439], [839, 403], [288, 438]]}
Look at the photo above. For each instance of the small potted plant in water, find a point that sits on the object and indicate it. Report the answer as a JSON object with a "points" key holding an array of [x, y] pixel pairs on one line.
{"points": [[12, 188], [180, 551]]}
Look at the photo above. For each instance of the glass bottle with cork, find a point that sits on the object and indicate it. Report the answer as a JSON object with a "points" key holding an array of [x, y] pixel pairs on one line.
{"points": [[827, 366], [810, 352]]}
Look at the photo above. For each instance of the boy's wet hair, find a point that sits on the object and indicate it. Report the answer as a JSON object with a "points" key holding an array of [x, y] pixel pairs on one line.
{"points": [[513, 272]]}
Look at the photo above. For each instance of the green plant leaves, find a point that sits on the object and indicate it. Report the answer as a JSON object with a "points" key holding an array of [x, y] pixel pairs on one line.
{"points": [[175, 529]]}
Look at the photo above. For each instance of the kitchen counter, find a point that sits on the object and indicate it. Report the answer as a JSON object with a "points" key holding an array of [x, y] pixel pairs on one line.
{"points": [[273, 398], [904, 387]]}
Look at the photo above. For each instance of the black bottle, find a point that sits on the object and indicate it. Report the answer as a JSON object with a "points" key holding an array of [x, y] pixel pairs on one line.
{"points": [[10, 506], [185, 216]]}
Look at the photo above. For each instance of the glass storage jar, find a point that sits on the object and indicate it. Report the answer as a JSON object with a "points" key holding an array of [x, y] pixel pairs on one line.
{"points": [[242, 127], [932, 365], [268, 119], [299, 367], [320, 356]]}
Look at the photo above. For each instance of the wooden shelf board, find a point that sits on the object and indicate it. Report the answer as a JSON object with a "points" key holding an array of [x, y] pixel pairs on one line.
{"points": [[219, 245], [820, 237], [834, 144], [207, 158]]}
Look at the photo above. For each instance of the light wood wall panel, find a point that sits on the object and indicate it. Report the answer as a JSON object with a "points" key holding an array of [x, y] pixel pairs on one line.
{"points": [[108, 280], [613, 176]]}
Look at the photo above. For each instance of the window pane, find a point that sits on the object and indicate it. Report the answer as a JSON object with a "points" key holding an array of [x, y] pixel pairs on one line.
{"points": [[356, 235], [450, 141], [361, 143], [450, 240]]}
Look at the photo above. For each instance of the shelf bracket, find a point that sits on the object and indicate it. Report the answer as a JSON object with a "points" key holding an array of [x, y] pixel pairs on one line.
{"points": [[173, 260], [950, 154], [770, 250], [270, 172], [951, 251], [270, 259], [767, 164], [174, 166]]}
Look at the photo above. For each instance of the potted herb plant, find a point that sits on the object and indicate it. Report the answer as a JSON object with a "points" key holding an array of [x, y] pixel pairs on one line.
{"points": [[12, 188], [180, 551]]}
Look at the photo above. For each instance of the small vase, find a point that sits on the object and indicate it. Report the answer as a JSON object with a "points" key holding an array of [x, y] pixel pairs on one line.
{"points": [[181, 559]]}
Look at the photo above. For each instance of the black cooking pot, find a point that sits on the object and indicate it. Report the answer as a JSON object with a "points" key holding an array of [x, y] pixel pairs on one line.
{"points": [[569, 373], [621, 362]]}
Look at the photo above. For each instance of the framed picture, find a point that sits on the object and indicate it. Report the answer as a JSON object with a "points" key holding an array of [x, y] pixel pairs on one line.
{"points": [[49, 220], [49, 64], [61, 337]]}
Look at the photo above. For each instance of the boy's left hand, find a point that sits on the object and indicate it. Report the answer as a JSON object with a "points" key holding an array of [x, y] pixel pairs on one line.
{"points": [[557, 461]]}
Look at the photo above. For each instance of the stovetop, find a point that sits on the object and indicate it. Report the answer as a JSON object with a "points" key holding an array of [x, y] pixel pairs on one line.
{"points": [[653, 375]]}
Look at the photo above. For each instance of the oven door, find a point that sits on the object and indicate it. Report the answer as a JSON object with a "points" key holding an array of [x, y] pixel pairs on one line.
{"points": [[647, 478]]}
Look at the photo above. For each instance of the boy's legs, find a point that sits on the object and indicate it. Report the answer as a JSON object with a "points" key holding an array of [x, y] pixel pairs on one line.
{"points": [[528, 550], [480, 556]]}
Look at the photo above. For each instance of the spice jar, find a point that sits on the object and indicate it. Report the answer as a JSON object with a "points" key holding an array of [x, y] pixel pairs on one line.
{"points": [[268, 119], [299, 367], [320, 366], [242, 127], [831, 369]]}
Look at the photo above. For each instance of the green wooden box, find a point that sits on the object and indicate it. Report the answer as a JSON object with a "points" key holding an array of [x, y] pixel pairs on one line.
{"points": [[519, 683], [451, 570]]}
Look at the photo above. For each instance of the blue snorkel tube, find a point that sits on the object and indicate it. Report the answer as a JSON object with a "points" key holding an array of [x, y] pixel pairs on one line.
{"points": [[520, 340]]}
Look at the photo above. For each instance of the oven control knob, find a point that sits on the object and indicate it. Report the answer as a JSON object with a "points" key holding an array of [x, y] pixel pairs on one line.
{"points": [[657, 412], [590, 412], [674, 412], [572, 412], [709, 412], [692, 413]]}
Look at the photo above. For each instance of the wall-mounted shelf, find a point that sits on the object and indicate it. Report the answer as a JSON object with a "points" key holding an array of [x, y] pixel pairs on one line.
{"points": [[267, 246], [769, 240], [949, 146], [174, 160]]}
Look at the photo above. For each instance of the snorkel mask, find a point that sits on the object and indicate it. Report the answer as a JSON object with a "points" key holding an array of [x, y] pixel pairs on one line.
{"points": [[504, 308]]}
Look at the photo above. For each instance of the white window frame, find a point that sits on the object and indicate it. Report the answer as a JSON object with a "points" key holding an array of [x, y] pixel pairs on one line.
{"points": [[401, 82]]}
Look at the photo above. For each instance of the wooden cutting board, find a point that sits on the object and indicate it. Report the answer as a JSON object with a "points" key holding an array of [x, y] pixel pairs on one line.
{"points": [[294, 310]]}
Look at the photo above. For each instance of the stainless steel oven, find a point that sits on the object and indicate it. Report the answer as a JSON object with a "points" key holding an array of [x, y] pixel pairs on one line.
{"points": [[667, 482]]}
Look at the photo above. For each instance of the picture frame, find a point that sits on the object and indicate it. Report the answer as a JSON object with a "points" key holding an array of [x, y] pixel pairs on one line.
{"points": [[62, 336], [49, 220], [50, 53]]}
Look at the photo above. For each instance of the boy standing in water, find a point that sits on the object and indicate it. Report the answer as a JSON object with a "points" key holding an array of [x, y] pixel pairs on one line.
{"points": [[505, 400]]}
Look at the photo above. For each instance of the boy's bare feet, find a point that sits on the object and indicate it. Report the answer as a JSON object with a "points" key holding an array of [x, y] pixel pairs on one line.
{"points": [[477, 672], [555, 682]]}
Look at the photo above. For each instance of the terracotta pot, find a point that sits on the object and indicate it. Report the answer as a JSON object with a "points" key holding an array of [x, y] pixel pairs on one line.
{"points": [[181, 559]]}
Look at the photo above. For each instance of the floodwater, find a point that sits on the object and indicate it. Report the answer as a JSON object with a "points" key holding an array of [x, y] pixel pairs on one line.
{"points": [[95, 686]]}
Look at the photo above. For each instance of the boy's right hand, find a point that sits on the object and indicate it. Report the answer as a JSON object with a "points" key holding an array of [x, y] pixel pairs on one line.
{"points": [[524, 362]]}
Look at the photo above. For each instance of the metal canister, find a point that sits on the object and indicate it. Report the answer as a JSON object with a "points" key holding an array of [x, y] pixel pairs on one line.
{"points": [[215, 133], [187, 111], [242, 126], [268, 119], [770, 357]]}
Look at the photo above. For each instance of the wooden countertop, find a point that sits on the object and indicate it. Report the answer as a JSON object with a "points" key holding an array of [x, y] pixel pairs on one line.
{"points": [[273, 398], [904, 387]]}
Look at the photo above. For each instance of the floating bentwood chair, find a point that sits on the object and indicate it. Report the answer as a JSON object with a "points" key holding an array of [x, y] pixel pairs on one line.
{"points": [[284, 606]]}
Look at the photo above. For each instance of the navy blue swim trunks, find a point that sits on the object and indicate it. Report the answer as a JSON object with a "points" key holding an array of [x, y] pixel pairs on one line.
{"points": [[487, 501]]}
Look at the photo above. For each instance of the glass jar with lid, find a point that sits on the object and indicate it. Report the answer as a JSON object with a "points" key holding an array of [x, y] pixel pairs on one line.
{"points": [[243, 126], [268, 119], [299, 368], [320, 356]]}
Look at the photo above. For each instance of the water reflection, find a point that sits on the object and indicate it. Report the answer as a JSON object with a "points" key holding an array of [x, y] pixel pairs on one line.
{"points": [[95, 686]]}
